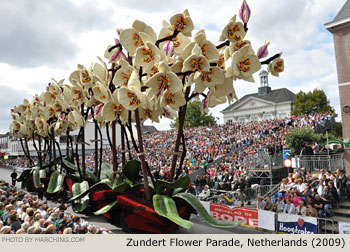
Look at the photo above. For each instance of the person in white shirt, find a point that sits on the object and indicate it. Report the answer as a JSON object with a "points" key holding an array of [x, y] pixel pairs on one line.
{"points": [[205, 194]]}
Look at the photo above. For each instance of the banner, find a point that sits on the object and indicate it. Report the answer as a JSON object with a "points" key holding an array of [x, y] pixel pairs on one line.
{"points": [[266, 220], [249, 216], [344, 227], [296, 224]]}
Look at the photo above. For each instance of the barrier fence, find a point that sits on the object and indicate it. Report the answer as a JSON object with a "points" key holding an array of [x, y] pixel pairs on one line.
{"points": [[317, 162], [276, 222]]}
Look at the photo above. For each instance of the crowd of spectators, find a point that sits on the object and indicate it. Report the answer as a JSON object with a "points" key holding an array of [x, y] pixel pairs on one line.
{"points": [[308, 194], [233, 142], [24, 213]]}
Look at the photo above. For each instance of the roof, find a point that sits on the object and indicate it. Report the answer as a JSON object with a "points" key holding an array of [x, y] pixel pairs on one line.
{"points": [[342, 16], [344, 12], [276, 96], [148, 129]]}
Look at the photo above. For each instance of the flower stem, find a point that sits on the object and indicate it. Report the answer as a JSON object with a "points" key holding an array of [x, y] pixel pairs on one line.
{"points": [[142, 154], [114, 150], [179, 135]]}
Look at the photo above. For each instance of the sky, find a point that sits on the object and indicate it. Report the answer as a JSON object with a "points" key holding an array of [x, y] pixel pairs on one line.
{"points": [[40, 40]]}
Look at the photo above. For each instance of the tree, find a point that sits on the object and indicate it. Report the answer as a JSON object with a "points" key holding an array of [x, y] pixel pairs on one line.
{"points": [[298, 137], [194, 116], [311, 102]]}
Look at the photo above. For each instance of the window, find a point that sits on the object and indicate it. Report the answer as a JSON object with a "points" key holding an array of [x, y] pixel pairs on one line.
{"points": [[241, 120], [267, 117], [254, 119], [282, 115]]}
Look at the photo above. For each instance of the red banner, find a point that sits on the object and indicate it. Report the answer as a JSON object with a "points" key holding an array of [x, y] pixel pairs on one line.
{"points": [[249, 216]]}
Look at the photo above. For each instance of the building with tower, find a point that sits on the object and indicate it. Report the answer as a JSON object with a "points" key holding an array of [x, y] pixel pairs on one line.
{"points": [[264, 105], [340, 28]]}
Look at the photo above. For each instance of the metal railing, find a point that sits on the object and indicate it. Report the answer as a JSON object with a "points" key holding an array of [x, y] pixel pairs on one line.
{"points": [[317, 162], [266, 162], [268, 190], [326, 226]]}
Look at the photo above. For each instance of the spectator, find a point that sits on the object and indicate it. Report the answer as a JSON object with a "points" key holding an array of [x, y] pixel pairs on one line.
{"points": [[279, 205], [319, 205], [205, 194], [289, 207], [269, 206], [301, 209], [261, 203]]}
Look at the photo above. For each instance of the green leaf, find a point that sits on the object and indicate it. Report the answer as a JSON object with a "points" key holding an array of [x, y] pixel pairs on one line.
{"points": [[81, 204], [42, 173], [91, 175], [24, 175], [120, 185], [106, 171], [55, 183], [106, 208], [36, 177], [193, 201], [132, 170], [107, 182], [182, 183], [70, 167], [166, 207]]}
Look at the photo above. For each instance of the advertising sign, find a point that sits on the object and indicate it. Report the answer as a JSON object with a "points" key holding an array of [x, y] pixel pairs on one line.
{"points": [[296, 224], [227, 213]]}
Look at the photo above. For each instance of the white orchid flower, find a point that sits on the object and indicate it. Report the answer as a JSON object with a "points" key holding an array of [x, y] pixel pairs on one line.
{"points": [[211, 101], [75, 118], [59, 127], [233, 31], [174, 46], [234, 47], [214, 76], [18, 129], [196, 62], [168, 112], [113, 53], [182, 22], [137, 36], [42, 126], [244, 64], [225, 89], [151, 111], [100, 72], [173, 100], [81, 76], [147, 56], [111, 110], [208, 48], [49, 112], [131, 98], [101, 93], [78, 95], [122, 76], [165, 79], [276, 66]]}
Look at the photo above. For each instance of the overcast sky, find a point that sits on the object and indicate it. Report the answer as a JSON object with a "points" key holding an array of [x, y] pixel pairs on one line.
{"points": [[40, 40]]}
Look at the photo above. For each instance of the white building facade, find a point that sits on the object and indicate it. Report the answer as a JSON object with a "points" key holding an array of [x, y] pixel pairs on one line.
{"points": [[265, 105]]}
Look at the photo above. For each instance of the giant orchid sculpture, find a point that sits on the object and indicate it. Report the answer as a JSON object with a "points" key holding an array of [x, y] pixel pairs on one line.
{"points": [[147, 77]]}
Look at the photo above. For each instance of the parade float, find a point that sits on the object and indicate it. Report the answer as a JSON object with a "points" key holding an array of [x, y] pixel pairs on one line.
{"points": [[146, 77]]}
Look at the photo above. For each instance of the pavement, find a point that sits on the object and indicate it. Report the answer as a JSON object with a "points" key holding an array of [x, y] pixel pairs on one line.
{"points": [[199, 226]]}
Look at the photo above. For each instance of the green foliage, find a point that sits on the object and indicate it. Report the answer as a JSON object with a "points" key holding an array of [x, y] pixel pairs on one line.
{"points": [[81, 204], [193, 201], [311, 102], [166, 207], [106, 208], [297, 137], [337, 131], [194, 116], [55, 183]]}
